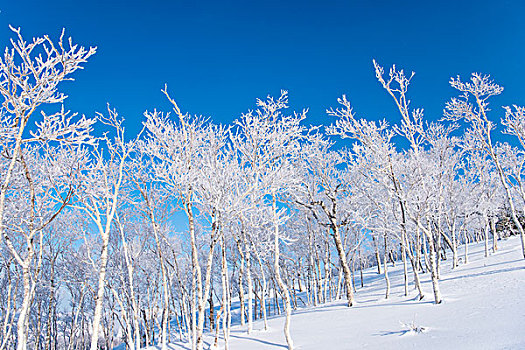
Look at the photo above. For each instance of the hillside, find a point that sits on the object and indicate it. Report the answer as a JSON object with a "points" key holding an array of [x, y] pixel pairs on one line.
{"points": [[483, 308]]}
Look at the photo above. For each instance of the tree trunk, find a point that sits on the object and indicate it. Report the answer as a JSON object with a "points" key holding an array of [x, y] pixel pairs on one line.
{"points": [[378, 257], [23, 316], [438, 250], [344, 264], [165, 313], [486, 234], [196, 273], [280, 282], [385, 259], [494, 235], [240, 283], [263, 287], [414, 263], [249, 281], [405, 268], [225, 296], [434, 275], [361, 268], [432, 263], [454, 245], [510, 201], [51, 306], [202, 298], [99, 300], [466, 245]]}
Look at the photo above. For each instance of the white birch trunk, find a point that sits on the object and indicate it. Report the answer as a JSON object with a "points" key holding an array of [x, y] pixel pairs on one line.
{"points": [[414, 263], [280, 282], [494, 235], [202, 295], [344, 264], [486, 234], [466, 245], [378, 257], [196, 274], [454, 245], [249, 281], [264, 287], [165, 313], [432, 263], [225, 297], [26, 301], [385, 266], [99, 300], [405, 268]]}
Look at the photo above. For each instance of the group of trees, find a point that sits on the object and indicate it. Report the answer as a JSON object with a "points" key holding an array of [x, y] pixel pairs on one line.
{"points": [[93, 253]]}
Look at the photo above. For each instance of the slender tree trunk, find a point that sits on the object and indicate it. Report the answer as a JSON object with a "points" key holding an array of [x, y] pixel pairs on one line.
{"points": [[22, 340], [240, 283], [385, 259], [249, 281], [187, 321], [263, 287], [129, 333], [378, 257], [196, 273], [344, 264], [425, 253], [466, 245], [434, 275], [417, 282], [104, 234], [312, 286], [361, 268], [405, 268], [280, 282], [339, 284], [318, 283], [486, 234], [418, 249], [225, 296], [129, 268], [352, 272], [326, 268], [26, 301], [11, 298], [438, 250], [51, 300], [212, 310], [494, 235], [146, 328], [202, 298], [414, 263], [432, 263], [99, 300], [165, 292], [454, 245]]}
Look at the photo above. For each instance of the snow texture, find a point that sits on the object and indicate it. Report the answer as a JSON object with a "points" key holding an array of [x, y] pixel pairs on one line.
{"points": [[483, 308]]}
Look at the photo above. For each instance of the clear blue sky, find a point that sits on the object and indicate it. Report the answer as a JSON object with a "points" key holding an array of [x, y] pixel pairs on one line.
{"points": [[218, 56]]}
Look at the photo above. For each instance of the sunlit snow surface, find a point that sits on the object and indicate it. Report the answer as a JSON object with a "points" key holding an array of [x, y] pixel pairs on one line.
{"points": [[483, 308]]}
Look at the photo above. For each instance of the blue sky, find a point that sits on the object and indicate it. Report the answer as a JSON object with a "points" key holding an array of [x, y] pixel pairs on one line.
{"points": [[218, 56]]}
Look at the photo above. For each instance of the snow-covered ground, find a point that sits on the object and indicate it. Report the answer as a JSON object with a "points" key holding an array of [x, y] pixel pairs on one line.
{"points": [[483, 308]]}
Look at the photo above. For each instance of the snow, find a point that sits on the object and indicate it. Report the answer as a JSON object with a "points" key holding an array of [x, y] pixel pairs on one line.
{"points": [[483, 308]]}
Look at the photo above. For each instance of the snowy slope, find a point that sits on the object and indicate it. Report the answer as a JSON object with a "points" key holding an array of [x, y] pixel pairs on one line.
{"points": [[483, 308]]}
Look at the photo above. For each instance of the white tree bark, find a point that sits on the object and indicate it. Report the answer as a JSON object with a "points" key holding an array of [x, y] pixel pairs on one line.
{"points": [[225, 296], [385, 261], [282, 285], [99, 299], [432, 262], [249, 282]]}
